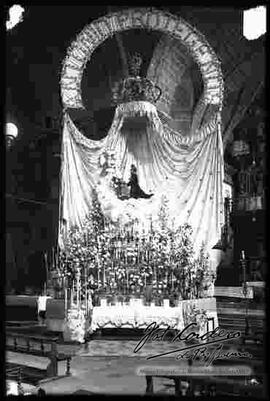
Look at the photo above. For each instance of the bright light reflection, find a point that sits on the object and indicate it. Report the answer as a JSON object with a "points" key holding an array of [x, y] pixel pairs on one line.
{"points": [[11, 130], [15, 16], [254, 23]]}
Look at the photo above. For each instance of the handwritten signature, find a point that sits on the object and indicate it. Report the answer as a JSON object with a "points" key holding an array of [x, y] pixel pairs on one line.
{"points": [[201, 351]]}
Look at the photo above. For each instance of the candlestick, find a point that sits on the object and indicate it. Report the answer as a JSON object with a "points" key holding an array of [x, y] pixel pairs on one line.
{"points": [[85, 287], [86, 301], [127, 278], [72, 292], [77, 288], [66, 299]]}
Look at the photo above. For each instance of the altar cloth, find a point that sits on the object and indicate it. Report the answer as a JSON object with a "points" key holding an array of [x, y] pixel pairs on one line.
{"points": [[136, 315]]}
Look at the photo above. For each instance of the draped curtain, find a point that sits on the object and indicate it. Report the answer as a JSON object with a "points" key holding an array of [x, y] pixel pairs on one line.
{"points": [[188, 170]]}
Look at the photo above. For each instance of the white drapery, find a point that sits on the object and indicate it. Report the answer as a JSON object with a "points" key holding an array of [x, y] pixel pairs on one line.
{"points": [[137, 315], [187, 169]]}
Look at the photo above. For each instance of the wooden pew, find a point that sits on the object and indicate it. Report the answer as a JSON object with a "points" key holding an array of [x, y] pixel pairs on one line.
{"points": [[39, 346], [216, 385]]}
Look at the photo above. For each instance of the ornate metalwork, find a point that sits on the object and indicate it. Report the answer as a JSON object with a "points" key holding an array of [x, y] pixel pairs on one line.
{"points": [[135, 87]]}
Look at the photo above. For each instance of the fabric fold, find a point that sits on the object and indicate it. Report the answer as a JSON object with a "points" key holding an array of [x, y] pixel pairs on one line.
{"points": [[187, 170]]}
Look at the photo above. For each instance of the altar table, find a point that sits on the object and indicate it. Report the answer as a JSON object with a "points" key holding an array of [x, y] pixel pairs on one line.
{"points": [[136, 315]]}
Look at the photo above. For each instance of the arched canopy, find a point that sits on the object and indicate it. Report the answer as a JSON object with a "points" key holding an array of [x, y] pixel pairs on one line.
{"points": [[94, 34]]}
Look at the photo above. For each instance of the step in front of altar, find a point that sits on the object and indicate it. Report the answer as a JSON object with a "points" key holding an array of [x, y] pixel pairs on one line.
{"points": [[116, 348]]}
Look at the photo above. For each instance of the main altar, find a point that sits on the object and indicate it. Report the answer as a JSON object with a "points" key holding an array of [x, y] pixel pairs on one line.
{"points": [[142, 208]]}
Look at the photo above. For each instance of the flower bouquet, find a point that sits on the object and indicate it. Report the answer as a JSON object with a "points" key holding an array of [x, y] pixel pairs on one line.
{"points": [[76, 325]]}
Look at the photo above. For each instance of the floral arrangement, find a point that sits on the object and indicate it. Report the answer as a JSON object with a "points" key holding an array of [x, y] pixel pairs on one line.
{"points": [[120, 259], [75, 325], [192, 314], [206, 276], [200, 317]]}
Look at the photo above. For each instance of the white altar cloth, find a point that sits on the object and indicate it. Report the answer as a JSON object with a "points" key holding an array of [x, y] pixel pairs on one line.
{"points": [[137, 315]]}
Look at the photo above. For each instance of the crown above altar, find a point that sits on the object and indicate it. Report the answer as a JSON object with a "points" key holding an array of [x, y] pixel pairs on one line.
{"points": [[135, 87]]}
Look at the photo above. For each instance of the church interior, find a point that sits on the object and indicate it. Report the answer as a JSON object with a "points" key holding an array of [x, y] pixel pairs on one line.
{"points": [[135, 198]]}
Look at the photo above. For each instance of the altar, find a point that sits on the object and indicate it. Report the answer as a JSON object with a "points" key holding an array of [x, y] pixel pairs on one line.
{"points": [[139, 316], [141, 207]]}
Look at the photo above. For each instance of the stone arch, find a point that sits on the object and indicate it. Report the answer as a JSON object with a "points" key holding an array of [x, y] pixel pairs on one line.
{"points": [[81, 49]]}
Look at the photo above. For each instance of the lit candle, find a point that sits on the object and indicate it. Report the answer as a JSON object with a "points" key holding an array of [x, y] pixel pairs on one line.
{"points": [[243, 255]]}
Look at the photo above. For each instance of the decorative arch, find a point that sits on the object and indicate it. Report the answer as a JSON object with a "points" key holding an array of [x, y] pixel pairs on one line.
{"points": [[94, 34]]}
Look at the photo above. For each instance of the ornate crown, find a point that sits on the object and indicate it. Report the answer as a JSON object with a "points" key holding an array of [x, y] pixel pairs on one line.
{"points": [[135, 87]]}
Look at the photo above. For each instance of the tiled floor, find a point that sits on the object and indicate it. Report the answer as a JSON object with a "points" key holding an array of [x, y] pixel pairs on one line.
{"points": [[110, 366], [126, 348], [107, 375]]}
